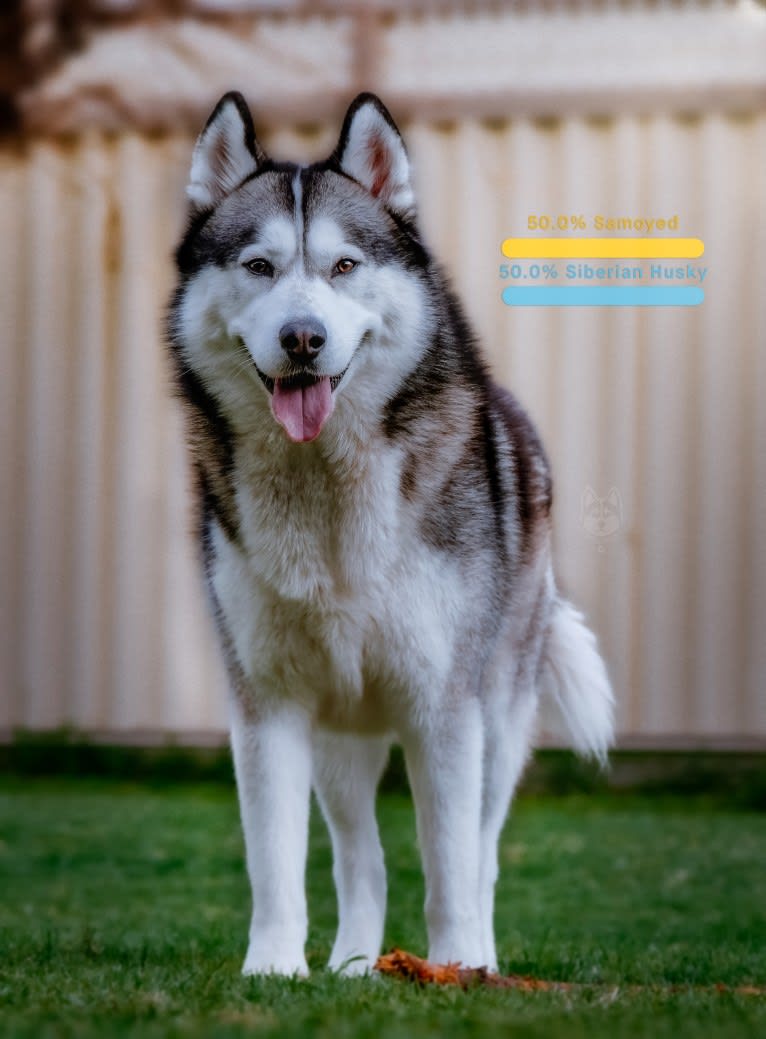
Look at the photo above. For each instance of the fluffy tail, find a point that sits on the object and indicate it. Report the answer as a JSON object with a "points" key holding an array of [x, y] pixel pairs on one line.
{"points": [[575, 677]]}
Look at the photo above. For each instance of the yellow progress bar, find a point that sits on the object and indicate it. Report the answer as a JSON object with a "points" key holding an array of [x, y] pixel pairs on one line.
{"points": [[603, 248]]}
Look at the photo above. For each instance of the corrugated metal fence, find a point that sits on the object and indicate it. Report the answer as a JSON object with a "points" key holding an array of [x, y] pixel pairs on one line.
{"points": [[657, 413]]}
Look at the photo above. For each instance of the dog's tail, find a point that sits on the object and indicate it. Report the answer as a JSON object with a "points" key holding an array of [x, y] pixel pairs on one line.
{"points": [[575, 679]]}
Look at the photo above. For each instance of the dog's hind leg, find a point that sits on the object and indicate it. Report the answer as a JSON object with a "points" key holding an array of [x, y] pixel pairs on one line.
{"points": [[507, 740], [346, 773]]}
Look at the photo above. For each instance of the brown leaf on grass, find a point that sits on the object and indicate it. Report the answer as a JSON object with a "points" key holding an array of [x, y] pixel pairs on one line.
{"points": [[405, 965], [399, 963], [742, 990]]}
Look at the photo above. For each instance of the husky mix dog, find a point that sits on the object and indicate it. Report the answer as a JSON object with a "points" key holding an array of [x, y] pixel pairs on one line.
{"points": [[374, 519]]}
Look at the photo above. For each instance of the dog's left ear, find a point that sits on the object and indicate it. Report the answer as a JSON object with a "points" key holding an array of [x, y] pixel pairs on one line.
{"points": [[371, 150]]}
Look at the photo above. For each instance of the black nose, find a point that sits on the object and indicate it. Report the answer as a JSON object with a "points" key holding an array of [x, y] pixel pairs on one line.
{"points": [[302, 339]]}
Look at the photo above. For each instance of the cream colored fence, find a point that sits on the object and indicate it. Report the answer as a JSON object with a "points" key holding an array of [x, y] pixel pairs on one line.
{"points": [[653, 417], [102, 620]]}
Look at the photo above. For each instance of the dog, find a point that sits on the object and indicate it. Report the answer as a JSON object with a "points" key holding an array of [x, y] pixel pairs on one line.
{"points": [[374, 519], [601, 517]]}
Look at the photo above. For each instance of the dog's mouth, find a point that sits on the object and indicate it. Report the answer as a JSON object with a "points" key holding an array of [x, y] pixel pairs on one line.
{"points": [[300, 380], [301, 403]]}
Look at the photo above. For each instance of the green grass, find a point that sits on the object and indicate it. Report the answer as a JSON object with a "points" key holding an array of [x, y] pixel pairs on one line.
{"points": [[124, 910]]}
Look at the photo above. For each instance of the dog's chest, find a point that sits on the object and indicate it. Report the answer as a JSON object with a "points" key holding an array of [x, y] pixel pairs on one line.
{"points": [[329, 596]]}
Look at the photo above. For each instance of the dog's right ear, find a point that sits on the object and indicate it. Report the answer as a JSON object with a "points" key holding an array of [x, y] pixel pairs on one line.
{"points": [[225, 154]]}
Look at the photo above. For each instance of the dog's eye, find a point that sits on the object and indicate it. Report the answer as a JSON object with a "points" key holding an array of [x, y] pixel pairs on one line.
{"points": [[344, 266], [259, 266]]}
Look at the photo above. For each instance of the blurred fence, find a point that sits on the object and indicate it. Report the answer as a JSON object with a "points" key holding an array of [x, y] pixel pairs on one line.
{"points": [[653, 418]]}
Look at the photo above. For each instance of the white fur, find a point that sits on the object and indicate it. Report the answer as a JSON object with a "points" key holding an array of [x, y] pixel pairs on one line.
{"points": [[272, 758], [576, 679]]}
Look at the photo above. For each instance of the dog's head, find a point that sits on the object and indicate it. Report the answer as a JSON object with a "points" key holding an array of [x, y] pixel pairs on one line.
{"points": [[601, 517], [299, 275]]}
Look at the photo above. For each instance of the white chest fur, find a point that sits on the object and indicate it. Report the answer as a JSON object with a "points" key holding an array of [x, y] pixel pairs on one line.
{"points": [[330, 597]]}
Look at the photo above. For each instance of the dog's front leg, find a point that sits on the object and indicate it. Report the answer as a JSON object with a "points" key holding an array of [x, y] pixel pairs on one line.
{"points": [[444, 763], [272, 759]]}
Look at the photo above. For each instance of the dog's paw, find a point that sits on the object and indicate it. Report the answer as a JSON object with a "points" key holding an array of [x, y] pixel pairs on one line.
{"points": [[275, 961]]}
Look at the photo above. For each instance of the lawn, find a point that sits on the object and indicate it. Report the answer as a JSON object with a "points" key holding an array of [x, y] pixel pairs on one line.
{"points": [[123, 911]]}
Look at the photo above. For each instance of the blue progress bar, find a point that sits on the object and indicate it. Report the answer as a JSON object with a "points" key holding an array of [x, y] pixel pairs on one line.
{"points": [[603, 295]]}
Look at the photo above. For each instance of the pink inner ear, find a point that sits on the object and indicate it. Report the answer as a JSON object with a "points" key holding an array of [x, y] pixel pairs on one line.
{"points": [[379, 164], [219, 157]]}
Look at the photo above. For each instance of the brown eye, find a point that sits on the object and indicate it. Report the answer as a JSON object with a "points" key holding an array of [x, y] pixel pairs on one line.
{"points": [[344, 266], [259, 266]]}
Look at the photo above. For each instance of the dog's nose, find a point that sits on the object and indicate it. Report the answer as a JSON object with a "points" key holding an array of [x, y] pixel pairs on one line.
{"points": [[302, 340]]}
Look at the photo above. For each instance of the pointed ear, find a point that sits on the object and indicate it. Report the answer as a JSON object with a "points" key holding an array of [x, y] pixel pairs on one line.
{"points": [[589, 496], [225, 154], [371, 150], [613, 497]]}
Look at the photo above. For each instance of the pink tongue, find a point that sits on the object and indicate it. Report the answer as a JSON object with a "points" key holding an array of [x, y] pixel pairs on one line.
{"points": [[302, 410]]}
